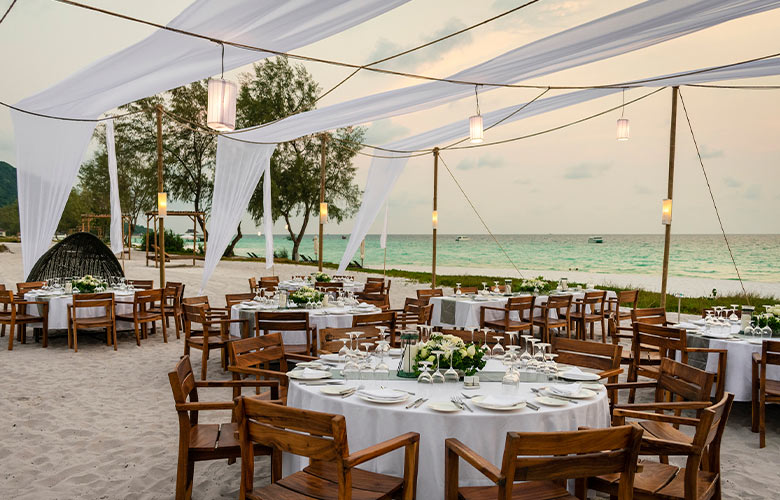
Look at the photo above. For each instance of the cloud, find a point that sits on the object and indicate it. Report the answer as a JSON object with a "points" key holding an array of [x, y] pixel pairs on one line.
{"points": [[585, 171], [753, 192], [485, 161], [435, 52], [732, 182], [383, 131], [706, 152]]}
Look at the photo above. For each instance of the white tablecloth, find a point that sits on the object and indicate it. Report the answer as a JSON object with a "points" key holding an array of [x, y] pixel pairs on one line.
{"points": [[484, 430], [317, 318], [292, 285], [58, 309], [738, 368], [467, 309]]}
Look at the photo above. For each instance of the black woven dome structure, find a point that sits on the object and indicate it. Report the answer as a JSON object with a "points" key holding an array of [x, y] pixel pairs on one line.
{"points": [[79, 254]]}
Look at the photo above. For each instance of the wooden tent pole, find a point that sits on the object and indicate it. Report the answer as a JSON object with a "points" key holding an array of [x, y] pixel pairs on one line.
{"points": [[669, 193], [435, 210], [323, 148], [161, 220]]}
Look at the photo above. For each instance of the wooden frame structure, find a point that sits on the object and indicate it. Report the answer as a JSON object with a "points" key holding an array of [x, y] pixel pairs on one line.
{"points": [[195, 217], [86, 223]]}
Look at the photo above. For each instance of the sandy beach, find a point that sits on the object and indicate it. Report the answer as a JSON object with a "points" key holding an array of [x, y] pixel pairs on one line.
{"points": [[101, 424]]}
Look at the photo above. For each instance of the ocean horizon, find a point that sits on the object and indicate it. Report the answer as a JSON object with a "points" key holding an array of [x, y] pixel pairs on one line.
{"points": [[691, 255]]}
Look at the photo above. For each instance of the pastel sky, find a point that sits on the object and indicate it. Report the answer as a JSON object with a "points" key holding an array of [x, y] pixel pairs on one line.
{"points": [[578, 180]]}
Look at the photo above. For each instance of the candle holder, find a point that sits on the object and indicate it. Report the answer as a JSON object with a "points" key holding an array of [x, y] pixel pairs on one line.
{"points": [[406, 368]]}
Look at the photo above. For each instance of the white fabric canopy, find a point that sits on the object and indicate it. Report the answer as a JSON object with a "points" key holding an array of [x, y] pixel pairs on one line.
{"points": [[49, 152], [642, 25], [384, 172], [117, 246]]}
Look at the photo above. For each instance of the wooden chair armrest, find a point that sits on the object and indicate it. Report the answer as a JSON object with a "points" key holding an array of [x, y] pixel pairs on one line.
{"points": [[259, 371], [501, 309], [489, 470], [630, 385], [756, 358], [656, 417], [706, 349], [300, 357], [30, 302], [237, 383], [654, 446], [666, 405], [206, 405], [379, 449], [610, 373]]}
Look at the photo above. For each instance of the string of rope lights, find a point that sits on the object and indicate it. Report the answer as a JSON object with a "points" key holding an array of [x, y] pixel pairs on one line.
{"points": [[7, 11], [474, 208], [712, 196]]}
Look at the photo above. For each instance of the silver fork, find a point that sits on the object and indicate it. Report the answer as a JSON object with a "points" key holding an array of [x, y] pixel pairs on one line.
{"points": [[459, 402]]}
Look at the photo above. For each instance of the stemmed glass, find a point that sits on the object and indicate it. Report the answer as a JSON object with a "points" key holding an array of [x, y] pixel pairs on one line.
{"points": [[734, 309], [511, 378], [472, 330], [425, 332], [457, 289], [351, 370], [485, 347], [437, 377], [552, 366], [526, 357], [539, 355], [382, 371], [498, 290], [344, 351], [451, 375], [484, 286], [498, 349], [532, 358], [425, 376]]}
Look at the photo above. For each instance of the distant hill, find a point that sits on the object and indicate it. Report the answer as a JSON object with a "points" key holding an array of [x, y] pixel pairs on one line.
{"points": [[7, 184]]}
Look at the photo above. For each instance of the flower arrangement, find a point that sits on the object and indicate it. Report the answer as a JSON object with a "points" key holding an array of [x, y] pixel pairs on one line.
{"points": [[770, 319], [321, 277], [537, 284], [306, 294], [87, 284], [461, 356]]}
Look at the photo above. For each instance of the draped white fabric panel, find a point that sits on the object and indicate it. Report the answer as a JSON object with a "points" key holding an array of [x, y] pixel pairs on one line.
{"points": [[642, 25], [116, 209], [162, 61], [384, 172]]}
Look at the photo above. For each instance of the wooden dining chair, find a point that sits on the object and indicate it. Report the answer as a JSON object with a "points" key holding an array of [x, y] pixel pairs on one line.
{"points": [[764, 390], [424, 294], [407, 316], [329, 339], [385, 318], [253, 288], [141, 284], [627, 299], [28, 286], [200, 442], [588, 311], [378, 300], [700, 479], [173, 293], [213, 334], [5, 309], [321, 437], [602, 357], [561, 304], [651, 316], [522, 306], [107, 320], [288, 321], [263, 356], [15, 315], [232, 299], [537, 464], [147, 308], [469, 289]]}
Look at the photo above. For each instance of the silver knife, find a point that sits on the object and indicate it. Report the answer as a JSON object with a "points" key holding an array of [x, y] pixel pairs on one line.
{"points": [[420, 403], [416, 401]]}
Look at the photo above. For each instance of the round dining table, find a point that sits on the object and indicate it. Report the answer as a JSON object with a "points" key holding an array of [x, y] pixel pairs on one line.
{"points": [[462, 311], [58, 307], [482, 430]]}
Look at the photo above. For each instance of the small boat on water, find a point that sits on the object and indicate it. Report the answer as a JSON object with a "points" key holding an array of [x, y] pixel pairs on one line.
{"points": [[595, 239], [462, 238]]}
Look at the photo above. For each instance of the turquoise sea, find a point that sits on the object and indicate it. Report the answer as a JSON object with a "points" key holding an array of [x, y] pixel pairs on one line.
{"points": [[700, 256]]}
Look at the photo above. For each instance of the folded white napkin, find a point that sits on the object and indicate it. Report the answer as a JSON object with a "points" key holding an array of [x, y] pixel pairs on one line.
{"points": [[686, 325], [383, 393], [364, 305], [565, 389], [700, 322], [574, 370], [718, 335], [310, 372], [502, 401], [249, 303]]}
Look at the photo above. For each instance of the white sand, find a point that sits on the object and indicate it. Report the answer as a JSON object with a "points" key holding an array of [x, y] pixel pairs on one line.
{"points": [[101, 424]]}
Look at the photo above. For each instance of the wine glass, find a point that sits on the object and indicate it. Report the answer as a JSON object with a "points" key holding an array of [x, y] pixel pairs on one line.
{"points": [[344, 349], [450, 376], [498, 349], [734, 308], [526, 357], [437, 377], [472, 330], [351, 370], [457, 289], [425, 376], [498, 290], [552, 366], [532, 361], [511, 378], [484, 286], [539, 355], [382, 371]]}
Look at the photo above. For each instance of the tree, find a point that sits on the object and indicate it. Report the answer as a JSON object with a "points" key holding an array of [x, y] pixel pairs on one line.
{"points": [[276, 90]]}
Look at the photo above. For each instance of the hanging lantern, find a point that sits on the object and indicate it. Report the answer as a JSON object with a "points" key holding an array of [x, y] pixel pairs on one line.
{"points": [[162, 204], [476, 133], [323, 213], [622, 129], [666, 212], [435, 219], [221, 114]]}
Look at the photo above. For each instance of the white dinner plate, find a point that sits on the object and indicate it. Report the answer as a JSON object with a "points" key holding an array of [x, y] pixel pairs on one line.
{"points": [[335, 390], [756, 341], [333, 358], [299, 375], [368, 398], [583, 394], [544, 400], [580, 377], [593, 386], [478, 401], [443, 406]]}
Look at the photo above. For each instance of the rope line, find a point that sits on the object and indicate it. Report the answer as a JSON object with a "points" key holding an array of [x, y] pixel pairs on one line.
{"points": [[715, 205], [480, 217], [69, 119], [7, 11]]}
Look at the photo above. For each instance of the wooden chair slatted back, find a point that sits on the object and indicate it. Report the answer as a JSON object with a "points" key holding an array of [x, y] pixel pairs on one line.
{"points": [[571, 455], [469, 289], [587, 354], [709, 434], [141, 284], [329, 284], [376, 299], [196, 313], [330, 338], [521, 305], [182, 381], [374, 319], [199, 300], [373, 288], [232, 299], [6, 297], [88, 300], [27, 286], [596, 301], [464, 335], [371, 279], [253, 285], [649, 315], [425, 294], [770, 353], [283, 321], [411, 305], [667, 340], [683, 382], [253, 352], [561, 303], [424, 315]]}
